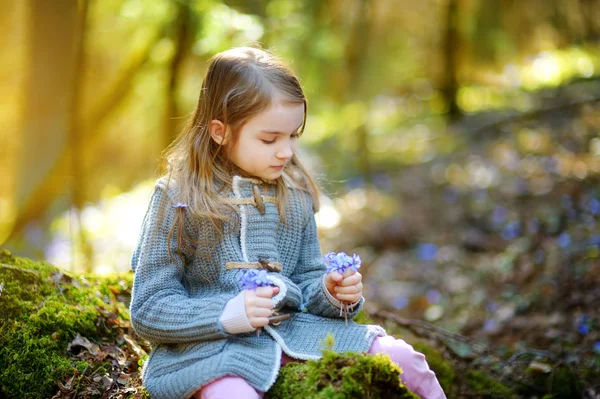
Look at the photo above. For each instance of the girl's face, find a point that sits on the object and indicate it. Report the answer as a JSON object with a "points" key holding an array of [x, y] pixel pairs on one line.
{"points": [[267, 141]]}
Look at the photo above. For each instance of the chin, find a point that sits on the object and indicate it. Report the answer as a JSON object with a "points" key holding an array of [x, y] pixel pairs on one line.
{"points": [[271, 176]]}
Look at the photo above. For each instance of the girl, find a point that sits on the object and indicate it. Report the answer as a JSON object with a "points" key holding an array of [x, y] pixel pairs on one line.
{"points": [[236, 197]]}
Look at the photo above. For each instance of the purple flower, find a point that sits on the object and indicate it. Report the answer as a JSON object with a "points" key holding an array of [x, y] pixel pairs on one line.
{"points": [[251, 279], [564, 240], [597, 347], [180, 205], [427, 251], [490, 325], [583, 328], [433, 296], [400, 302], [341, 262], [594, 206], [511, 231]]}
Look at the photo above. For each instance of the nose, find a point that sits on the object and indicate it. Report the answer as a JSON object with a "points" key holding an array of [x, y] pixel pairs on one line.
{"points": [[285, 151]]}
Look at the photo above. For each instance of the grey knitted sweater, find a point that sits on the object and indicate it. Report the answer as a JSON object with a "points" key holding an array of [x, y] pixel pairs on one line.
{"points": [[176, 303]]}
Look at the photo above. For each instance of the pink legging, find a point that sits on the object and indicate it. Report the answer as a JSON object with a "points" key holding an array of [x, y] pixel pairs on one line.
{"points": [[416, 376]]}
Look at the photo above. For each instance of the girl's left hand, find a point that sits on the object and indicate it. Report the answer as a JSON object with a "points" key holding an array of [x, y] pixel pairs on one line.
{"points": [[347, 287]]}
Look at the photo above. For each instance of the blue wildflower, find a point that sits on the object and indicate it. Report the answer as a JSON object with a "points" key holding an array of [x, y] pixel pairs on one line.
{"points": [[433, 296], [355, 182], [511, 230], [340, 262], [583, 328], [251, 279], [564, 240], [597, 347], [490, 325], [427, 251], [492, 306], [400, 302], [594, 206]]}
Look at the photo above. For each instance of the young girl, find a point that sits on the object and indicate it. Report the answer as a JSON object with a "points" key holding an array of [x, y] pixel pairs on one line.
{"points": [[236, 197]]}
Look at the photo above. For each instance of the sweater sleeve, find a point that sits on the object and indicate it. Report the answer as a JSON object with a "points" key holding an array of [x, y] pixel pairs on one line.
{"points": [[161, 309], [308, 275]]}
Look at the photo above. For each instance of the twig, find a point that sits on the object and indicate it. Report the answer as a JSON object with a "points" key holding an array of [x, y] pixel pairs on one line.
{"points": [[532, 114], [19, 269], [436, 331]]}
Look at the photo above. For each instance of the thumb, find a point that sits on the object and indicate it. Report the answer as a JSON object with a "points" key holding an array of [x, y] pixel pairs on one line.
{"points": [[331, 279]]}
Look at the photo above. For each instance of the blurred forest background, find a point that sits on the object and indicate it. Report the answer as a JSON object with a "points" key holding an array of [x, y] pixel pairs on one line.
{"points": [[458, 143]]}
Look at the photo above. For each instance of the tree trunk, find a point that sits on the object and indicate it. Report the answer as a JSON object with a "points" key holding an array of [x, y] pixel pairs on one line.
{"points": [[450, 84]]}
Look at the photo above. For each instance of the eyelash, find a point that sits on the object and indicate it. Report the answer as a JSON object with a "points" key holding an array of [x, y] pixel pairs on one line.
{"points": [[293, 136]]}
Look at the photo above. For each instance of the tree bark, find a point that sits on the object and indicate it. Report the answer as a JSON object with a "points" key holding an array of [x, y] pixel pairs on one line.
{"points": [[450, 51]]}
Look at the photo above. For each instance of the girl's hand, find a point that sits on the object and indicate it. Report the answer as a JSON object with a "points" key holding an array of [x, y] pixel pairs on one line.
{"points": [[259, 305], [347, 287]]}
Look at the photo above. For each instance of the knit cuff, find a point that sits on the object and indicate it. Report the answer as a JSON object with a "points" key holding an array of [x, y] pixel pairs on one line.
{"points": [[234, 318], [333, 300]]}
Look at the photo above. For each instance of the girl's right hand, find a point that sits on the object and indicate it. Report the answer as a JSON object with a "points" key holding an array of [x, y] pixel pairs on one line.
{"points": [[259, 305]]}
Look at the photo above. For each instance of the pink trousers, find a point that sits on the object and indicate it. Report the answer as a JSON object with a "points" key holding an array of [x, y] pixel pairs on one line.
{"points": [[416, 376]]}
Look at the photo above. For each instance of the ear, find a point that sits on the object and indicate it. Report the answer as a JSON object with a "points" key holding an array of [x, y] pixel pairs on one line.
{"points": [[218, 132]]}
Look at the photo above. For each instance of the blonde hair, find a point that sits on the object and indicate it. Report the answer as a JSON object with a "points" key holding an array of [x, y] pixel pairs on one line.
{"points": [[239, 84]]}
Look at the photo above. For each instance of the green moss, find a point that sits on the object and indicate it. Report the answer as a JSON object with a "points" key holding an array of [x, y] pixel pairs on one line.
{"points": [[479, 383], [42, 311], [562, 382], [442, 369], [363, 318], [341, 376]]}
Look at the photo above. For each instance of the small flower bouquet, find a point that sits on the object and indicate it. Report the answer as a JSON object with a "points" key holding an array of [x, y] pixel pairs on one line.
{"points": [[251, 279], [340, 262]]}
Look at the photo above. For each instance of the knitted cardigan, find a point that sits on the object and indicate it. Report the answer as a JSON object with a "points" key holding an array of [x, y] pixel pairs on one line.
{"points": [[177, 301]]}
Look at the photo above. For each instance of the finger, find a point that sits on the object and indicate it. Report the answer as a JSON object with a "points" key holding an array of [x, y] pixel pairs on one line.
{"points": [[257, 322], [351, 298], [265, 292], [265, 303], [253, 300], [348, 273], [259, 312], [351, 280], [353, 289], [333, 278]]}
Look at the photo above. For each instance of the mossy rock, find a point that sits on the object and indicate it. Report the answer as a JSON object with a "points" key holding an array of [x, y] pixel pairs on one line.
{"points": [[341, 376], [43, 309]]}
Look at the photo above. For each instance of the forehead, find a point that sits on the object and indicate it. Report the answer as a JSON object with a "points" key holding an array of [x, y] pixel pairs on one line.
{"points": [[280, 116]]}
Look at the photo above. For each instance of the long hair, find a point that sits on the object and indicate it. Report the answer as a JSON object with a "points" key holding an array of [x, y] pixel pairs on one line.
{"points": [[239, 84]]}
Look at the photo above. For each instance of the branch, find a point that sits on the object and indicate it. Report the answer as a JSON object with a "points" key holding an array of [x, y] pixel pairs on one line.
{"points": [[531, 115], [19, 269], [416, 326]]}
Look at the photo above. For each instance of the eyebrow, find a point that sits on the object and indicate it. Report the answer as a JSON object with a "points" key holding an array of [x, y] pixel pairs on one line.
{"points": [[278, 132]]}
